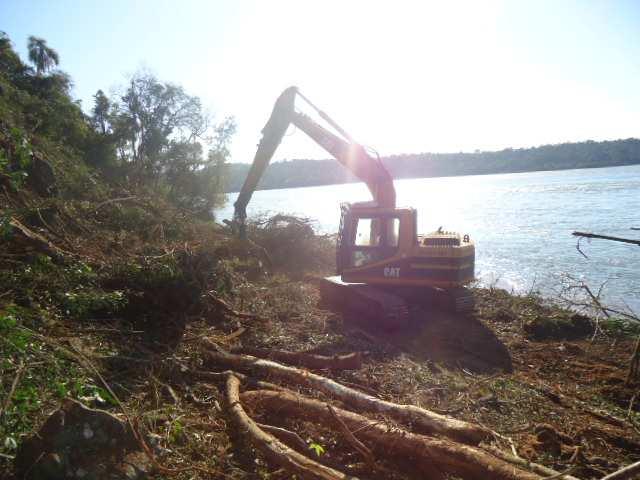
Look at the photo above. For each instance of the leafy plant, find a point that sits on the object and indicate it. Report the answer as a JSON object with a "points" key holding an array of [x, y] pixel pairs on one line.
{"points": [[16, 159], [317, 448]]}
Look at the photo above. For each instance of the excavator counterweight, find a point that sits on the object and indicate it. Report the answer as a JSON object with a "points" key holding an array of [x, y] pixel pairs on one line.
{"points": [[384, 266]]}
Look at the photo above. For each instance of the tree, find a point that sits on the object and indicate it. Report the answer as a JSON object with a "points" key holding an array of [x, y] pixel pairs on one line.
{"points": [[100, 112], [219, 154], [41, 55], [194, 182], [150, 118]]}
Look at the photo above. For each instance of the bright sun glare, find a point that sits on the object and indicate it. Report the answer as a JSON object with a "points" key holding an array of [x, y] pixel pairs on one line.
{"points": [[420, 76]]}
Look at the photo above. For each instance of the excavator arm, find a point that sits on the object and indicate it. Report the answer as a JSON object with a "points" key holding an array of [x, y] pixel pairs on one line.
{"points": [[342, 147]]}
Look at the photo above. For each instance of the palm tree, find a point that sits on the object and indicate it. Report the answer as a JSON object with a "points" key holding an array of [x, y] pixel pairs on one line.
{"points": [[42, 56]]}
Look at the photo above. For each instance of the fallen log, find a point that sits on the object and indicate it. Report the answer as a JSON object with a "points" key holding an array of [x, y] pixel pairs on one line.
{"points": [[433, 457], [37, 241], [271, 447], [627, 473], [351, 361], [422, 420]]}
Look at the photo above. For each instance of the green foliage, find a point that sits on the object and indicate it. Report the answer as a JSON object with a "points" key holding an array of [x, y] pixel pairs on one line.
{"points": [[74, 289], [292, 244], [620, 327], [41, 376], [41, 55], [83, 302], [317, 448], [196, 183], [15, 157], [153, 133], [15, 337], [176, 432]]}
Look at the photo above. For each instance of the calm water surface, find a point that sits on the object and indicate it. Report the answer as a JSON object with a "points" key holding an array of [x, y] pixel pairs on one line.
{"points": [[521, 222]]}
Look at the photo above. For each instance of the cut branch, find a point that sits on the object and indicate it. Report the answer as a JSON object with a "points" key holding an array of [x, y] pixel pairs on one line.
{"points": [[606, 237], [38, 241], [228, 309], [534, 467], [292, 439], [627, 473], [351, 438], [433, 457], [423, 420], [351, 361], [271, 447]]}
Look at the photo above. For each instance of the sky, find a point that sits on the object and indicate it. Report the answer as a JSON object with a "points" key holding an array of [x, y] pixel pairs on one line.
{"points": [[399, 76]]}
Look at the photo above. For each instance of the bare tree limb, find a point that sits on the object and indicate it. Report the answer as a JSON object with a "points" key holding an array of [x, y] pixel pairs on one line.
{"points": [[606, 237], [12, 390], [627, 473], [351, 438], [350, 361]]}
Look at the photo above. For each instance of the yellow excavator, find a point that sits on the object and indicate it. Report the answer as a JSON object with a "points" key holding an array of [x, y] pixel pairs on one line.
{"points": [[384, 266]]}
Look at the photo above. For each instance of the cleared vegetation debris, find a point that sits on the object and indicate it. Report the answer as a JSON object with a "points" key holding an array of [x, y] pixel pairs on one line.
{"points": [[419, 418]]}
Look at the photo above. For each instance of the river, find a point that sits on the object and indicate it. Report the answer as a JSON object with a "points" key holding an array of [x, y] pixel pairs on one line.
{"points": [[521, 223]]}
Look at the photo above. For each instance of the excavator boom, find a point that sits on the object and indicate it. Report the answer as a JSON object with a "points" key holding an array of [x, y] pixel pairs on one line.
{"points": [[342, 147]]}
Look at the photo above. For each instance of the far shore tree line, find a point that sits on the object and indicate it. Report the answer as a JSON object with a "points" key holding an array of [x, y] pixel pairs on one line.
{"points": [[150, 133], [589, 154]]}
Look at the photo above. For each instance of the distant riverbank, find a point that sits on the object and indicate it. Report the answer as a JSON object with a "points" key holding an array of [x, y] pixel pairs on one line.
{"points": [[566, 156]]}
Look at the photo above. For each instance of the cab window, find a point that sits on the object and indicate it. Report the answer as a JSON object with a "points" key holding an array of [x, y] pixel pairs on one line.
{"points": [[366, 234], [375, 239], [394, 232]]}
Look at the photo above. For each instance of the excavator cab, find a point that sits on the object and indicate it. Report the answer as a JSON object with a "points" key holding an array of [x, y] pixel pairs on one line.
{"points": [[369, 235]]}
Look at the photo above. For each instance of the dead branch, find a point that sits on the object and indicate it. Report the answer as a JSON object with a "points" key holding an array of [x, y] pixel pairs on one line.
{"points": [[38, 241], [234, 335], [271, 447], [351, 438], [606, 237], [351, 361], [115, 200], [634, 363], [423, 420], [574, 403], [534, 467], [14, 384], [627, 473], [433, 457], [228, 309], [247, 381], [287, 436]]}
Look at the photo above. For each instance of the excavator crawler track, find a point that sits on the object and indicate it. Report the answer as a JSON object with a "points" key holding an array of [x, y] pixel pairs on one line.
{"points": [[365, 303], [389, 308]]}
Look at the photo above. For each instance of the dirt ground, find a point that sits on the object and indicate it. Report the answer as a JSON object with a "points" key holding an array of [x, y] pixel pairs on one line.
{"points": [[555, 402]]}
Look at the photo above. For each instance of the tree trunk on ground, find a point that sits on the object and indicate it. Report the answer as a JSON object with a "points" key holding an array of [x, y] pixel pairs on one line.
{"points": [[351, 361], [272, 448], [433, 457], [422, 420]]}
